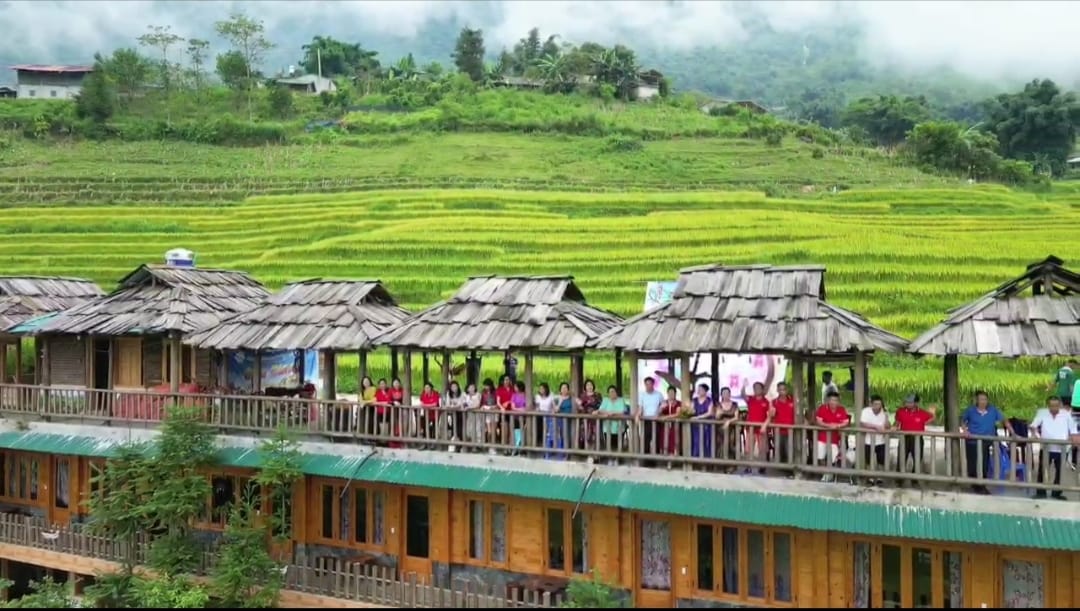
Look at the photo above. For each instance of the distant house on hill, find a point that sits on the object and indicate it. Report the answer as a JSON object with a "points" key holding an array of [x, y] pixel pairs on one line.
{"points": [[517, 82], [7, 92], [648, 85], [308, 84], [1073, 162], [34, 81], [750, 105]]}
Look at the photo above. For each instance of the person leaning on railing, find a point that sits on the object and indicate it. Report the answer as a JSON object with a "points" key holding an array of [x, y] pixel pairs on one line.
{"points": [[911, 420], [831, 417], [1053, 424], [875, 445], [982, 420]]}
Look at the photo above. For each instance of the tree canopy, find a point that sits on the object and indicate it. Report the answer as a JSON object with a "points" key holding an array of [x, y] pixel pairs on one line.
{"points": [[1038, 124]]}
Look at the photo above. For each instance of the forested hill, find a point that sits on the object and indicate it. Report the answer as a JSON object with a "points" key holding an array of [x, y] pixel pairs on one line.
{"points": [[775, 68]]}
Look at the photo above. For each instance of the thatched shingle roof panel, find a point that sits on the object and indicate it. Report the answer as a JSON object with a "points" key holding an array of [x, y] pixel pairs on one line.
{"points": [[1008, 324], [498, 313], [25, 297], [157, 299], [750, 309], [309, 315]]}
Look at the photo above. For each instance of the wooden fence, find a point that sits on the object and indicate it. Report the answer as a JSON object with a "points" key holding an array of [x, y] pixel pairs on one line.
{"points": [[367, 584]]}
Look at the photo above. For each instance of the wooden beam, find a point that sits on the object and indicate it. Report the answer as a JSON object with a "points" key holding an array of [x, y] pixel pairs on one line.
{"points": [[618, 371], [812, 398], [686, 381], [714, 373], [447, 372], [860, 382], [425, 369], [256, 384], [362, 368], [951, 399], [798, 386], [529, 392], [18, 360], [575, 375], [394, 373], [632, 365], [406, 380], [329, 375], [176, 354], [223, 369]]}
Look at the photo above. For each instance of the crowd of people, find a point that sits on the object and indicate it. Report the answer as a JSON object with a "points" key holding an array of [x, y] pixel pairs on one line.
{"points": [[758, 428]]}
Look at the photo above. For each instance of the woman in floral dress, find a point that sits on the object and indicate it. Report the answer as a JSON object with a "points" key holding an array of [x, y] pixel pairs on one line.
{"points": [[588, 403]]}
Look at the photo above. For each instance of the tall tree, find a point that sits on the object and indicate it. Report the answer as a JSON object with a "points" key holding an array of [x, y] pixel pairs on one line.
{"points": [[886, 119], [128, 70], [1037, 124], [336, 58], [97, 99], [162, 38], [469, 54], [248, 38], [196, 52]]}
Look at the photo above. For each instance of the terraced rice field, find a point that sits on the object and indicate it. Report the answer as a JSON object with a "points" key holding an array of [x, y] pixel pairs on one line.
{"points": [[901, 258]]}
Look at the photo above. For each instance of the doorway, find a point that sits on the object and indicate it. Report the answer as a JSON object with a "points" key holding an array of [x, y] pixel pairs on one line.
{"points": [[654, 569], [61, 490], [102, 364], [417, 556]]}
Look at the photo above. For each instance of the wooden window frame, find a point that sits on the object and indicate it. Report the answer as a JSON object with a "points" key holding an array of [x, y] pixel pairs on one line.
{"points": [[166, 357], [907, 592], [14, 458], [488, 526], [315, 522], [568, 541], [769, 573], [1049, 577], [207, 521], [86, 485]]}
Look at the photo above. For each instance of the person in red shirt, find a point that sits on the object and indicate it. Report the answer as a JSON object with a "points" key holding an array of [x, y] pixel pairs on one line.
{"points": [[429, 400], [912, 421], [831, 417], [505, 393], [398, 417], [380, 420], [782, 413], [757, 416]]}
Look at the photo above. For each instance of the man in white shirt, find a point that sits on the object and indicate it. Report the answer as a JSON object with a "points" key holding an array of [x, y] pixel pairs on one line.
{"points": [[827, 385], [874, 420], [649, 407], [1053, 424]]}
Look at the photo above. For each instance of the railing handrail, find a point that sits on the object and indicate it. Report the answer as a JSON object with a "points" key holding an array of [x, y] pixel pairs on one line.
{"points": [[691, 442]]}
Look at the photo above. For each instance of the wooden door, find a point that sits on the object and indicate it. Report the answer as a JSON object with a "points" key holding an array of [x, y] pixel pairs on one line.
{"points": [[128, 373], [654, 573], [62, 490], [416, 526]]}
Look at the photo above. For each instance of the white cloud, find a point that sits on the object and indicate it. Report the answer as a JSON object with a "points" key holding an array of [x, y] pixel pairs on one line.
{"points": [[982, 38]]}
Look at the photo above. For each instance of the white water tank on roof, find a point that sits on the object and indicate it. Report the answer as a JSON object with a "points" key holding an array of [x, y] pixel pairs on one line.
{"points": [[180, 257]]}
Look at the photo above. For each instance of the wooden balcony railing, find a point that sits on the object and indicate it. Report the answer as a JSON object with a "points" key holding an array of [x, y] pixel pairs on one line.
{"points": [[337, 579], [1004, 464]]}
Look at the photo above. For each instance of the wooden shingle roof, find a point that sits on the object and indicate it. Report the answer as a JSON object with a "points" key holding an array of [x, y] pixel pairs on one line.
{"points": [[499, 313], [26, 297], [753, 309], [156, 299], [310, 315], [1007, 323]]}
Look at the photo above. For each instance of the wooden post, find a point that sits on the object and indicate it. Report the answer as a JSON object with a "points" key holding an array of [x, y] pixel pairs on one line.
{"points": [[176, 355], [472, 371], [529, 392], [37, 361], [860, 382], [300, 360], [256, 384], [46, 363], [18, 360], [798, 385], [575, 375], [714, 372], [406, 380], [812, 399], [686, 381], [447, 372], [618, 371], [329, 375], [223, 369], [362, 368], [632, 364], [951, 399], [394, 363], [426, 368], [3, 361]]}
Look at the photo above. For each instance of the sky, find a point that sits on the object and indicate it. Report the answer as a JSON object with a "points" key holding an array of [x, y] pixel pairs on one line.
{"points": [[983, 39]]}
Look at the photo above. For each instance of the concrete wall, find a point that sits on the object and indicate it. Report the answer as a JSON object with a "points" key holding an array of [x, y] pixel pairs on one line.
{"points": [[45, 86]]}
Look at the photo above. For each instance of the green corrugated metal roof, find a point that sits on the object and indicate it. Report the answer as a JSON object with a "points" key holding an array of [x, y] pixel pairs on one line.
{"points": [[32, 324], [749, 507]]}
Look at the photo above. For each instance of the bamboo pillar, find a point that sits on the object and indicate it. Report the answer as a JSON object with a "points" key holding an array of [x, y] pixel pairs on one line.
{"points": [[406, 380], [686, 381], [176, 355], [447, 373], [362, 368], [329, 375], [529, 393], [18, 360], [256, 384], [618, 371], [860, 382]]}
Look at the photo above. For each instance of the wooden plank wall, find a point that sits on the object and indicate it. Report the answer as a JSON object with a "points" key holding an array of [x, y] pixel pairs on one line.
{"points": [[67, 361]]}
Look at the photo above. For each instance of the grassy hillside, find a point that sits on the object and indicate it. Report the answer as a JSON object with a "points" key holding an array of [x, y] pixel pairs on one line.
{"points": [[901, 257], [171, 172]]}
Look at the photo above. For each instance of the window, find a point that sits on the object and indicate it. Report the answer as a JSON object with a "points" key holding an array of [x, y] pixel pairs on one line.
{"points": [[19, 477], [33, 93], [921, 577], [567, 541], [52, 93], [1022, 584], [351, 514], [187, 362], [62, 485], [487, 531], [743, 563], [225, 491]]}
